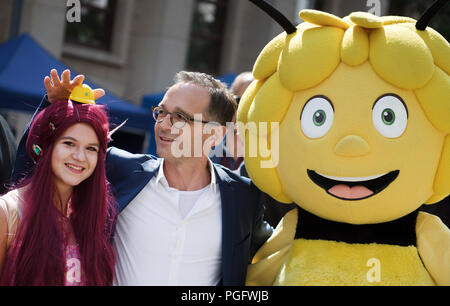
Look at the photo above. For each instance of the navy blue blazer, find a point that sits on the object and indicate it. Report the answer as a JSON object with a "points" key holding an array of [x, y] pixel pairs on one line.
{"points": [[243, 227]]}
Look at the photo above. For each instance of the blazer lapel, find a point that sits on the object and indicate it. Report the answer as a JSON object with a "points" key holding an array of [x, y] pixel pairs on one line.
{"points": [[130, 187], [151, 166], [229, 218]]}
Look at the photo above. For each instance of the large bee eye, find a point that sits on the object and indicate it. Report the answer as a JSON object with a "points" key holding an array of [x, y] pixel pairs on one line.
{"points": [[317, 117], [390, 116]]}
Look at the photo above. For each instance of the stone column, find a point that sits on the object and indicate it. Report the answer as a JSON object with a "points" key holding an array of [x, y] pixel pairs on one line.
{"points": [[45, 21], [158, 45]]}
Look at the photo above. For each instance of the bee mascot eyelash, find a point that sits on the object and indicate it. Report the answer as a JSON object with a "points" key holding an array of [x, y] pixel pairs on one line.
{"points": [[357, 210]]}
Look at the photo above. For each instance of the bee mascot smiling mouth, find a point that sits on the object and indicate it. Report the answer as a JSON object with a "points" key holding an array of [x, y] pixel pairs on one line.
{"points": [[363, 111]]}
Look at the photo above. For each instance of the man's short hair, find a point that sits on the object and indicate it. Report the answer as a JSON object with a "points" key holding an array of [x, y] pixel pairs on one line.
{"points": [[222, 105]]}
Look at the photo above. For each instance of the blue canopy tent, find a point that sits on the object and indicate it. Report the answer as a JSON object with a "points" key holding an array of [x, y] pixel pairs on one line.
{"points": [[150, 100], [23, 66]]}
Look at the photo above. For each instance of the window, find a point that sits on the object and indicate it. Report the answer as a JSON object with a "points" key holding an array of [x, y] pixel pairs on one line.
{"points": [[206, 36], [96, 27]]}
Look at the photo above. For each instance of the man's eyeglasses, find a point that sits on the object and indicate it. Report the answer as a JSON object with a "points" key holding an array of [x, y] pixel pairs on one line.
{"points": [[177, 119]]}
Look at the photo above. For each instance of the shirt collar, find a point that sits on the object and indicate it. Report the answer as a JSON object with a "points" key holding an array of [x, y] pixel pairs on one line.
{"points": [[160, 177]]}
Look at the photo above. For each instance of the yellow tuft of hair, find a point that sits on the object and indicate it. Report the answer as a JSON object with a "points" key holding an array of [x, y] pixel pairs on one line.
{"points": [[267, 61], [323, 19], [366, 20], [263, 173], [441, 186], [247, 100], [400, 57], [310, 57], [439, 47], [355, 46], [435, 100], [387, 20], [272, 101]]}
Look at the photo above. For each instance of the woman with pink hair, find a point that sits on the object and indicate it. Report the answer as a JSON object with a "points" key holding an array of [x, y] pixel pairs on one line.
{"points": [[56, 225]]}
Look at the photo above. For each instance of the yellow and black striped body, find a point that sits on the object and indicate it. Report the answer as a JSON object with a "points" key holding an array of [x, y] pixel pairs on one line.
{"points": [[331, 253]]}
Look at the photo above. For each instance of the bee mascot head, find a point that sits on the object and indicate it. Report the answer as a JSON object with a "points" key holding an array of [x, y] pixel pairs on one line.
{"points": [[359, 117], [363, 106]]}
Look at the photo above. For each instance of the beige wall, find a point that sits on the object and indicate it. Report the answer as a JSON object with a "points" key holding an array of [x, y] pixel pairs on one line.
{"points": [[159, 43], [6, 11], [108, 69], [248, 30], [44, 20], [150, 45]]}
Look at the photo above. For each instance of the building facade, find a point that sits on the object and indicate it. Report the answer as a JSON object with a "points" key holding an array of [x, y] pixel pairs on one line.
{"points": [[134, 47], [140, 44]]}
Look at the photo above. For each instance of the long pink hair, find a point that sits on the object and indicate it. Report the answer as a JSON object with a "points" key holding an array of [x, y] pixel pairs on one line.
{"points": [[37, 254]]}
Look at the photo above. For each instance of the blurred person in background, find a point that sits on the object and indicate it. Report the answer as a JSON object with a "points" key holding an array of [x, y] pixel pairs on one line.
{"points": [[7, 154], [229, 153]]}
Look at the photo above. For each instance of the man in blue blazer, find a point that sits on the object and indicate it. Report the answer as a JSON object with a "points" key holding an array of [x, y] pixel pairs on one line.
{"points": [[183, 220]]}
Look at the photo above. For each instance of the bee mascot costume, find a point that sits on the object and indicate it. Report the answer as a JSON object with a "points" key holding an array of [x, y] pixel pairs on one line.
{"points": [[359, 117]]}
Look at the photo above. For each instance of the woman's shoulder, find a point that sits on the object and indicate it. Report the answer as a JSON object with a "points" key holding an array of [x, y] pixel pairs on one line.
{"points": [[11, 197], [11, 202]]}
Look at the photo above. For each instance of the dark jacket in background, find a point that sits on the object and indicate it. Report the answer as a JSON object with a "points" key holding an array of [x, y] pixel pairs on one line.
{"points": [[7, 154]]}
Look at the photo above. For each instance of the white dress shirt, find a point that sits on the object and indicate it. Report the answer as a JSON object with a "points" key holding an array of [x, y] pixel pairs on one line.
{"points": [[170, 237]]}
